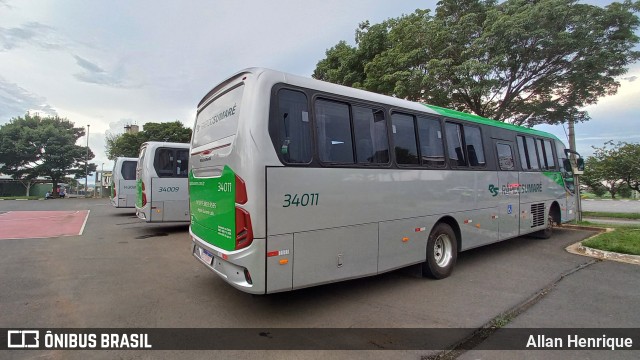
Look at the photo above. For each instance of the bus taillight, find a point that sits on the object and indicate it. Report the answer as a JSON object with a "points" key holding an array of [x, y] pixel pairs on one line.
{"points": [[241, 191], [144, 196], [244, 232]]}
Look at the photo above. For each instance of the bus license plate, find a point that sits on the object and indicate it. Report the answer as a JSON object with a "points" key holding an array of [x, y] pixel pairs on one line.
{"points": [[205, 255]]}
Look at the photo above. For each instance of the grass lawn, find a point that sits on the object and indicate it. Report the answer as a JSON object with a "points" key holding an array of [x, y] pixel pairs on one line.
{"points": [[624, 240]]}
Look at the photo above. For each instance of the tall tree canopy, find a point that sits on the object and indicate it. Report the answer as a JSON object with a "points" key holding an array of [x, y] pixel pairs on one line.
{"points": [[616, 166], [521, 61], [128, 144], [33, 146]]}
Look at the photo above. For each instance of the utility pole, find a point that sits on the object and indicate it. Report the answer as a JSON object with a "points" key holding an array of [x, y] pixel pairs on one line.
{"points": [[102, 180], [576, 179], [86, 165]]}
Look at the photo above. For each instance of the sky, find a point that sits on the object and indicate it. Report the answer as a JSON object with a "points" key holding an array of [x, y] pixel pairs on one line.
{"points": [[108, 64]]}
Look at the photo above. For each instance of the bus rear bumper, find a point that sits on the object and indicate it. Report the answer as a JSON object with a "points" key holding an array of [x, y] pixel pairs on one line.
{"points": [[243, 269], [141, 214]]}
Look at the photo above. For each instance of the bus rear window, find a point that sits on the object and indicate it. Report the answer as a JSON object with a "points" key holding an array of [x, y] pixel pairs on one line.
{"points": [[219, 119], [129, 170], [171, 162]]}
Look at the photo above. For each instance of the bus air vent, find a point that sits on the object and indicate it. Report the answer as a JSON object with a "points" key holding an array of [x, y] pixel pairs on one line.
{"points": [[537, 212]]}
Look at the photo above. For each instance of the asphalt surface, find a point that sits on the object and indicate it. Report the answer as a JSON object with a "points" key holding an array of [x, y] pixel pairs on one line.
{"points": [[125, 273], [606, 205]]}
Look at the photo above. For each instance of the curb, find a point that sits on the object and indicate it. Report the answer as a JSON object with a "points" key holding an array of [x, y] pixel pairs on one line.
{"points": [[579, 249], [585, 227]]}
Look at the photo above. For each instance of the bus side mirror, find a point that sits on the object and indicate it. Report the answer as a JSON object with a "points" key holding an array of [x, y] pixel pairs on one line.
{"points": [[580, 165]]}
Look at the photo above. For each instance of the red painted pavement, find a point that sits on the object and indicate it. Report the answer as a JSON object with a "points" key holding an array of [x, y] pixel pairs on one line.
{"points": [[41, 224]]}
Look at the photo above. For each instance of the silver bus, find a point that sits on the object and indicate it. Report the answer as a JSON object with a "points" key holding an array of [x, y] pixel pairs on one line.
{"points": [[296, 182], [161, 182], [123, 182]]}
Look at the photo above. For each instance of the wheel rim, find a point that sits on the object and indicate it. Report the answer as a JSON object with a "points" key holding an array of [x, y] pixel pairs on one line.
{"points": [[442, 250]]}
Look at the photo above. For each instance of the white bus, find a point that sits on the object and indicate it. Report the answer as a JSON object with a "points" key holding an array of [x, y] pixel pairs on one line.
{"points": [[161, 181], [123, 182], [296, 182]]}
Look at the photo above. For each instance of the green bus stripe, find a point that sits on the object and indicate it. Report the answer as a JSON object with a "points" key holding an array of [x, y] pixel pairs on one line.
{"points": [[486, 121]]}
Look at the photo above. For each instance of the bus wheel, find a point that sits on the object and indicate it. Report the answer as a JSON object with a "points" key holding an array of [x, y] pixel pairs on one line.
{"points": [[442, 251], [551, 222], [548, 231]]}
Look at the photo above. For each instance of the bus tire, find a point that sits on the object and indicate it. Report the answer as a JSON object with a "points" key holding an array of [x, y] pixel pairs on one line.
{"points": [[442, 252]]}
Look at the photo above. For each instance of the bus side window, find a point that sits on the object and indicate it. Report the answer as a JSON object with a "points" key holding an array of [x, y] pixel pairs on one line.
{"points": [[334, 132], [505, 156], [543, 158], [548, 152], [431, 144], [293, 128], [475, 150], [370, 132], [524, 160], [454, 145], [531, 152], [404, 138]]}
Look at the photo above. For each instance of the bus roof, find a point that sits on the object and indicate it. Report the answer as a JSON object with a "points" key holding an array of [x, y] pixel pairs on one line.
{"points": [[156, 144], [278, 76], [124, 158]]}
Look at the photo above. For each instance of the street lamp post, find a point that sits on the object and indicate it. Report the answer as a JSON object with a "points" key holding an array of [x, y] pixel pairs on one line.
{"points": [[86, 165]]}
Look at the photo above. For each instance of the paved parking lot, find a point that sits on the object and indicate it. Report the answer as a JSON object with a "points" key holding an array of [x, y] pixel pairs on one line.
{"points": [[125, 273]]}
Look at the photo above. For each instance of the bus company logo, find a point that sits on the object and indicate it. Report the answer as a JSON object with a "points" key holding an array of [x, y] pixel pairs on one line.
{"points": [[23, 339], [493, 189]]}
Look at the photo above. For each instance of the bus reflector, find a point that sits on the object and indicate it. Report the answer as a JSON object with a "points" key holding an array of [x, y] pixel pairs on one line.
{"points": [[277, 253], [247, 276], [244, 232], [284, 262]]}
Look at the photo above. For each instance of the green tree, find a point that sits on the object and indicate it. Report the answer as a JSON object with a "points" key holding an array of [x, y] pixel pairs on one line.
{"points": [[521, 61], [628, 162], [607, 167], [124, 145], [128, 144], [625, 191], [33, 146]]}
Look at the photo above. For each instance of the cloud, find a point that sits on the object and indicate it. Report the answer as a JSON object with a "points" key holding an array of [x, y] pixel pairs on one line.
{"points": [[87, 65], [16, 101], [35, 34], [95, 74], [31, 33]]}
